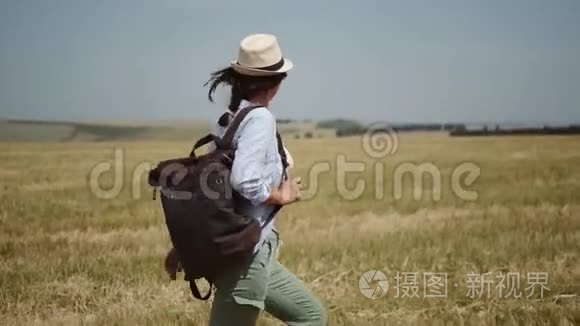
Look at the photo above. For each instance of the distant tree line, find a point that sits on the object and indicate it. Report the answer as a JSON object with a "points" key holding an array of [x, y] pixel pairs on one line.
{"points": [[346, 127], [343, 127], [497, 131], [285, 121]]}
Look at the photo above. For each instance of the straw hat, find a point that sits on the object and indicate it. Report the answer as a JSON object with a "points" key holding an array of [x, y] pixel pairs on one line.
{"points": [[260, 55]]}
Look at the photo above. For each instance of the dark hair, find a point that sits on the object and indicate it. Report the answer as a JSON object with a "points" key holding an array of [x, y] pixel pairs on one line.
{"points": [[243, 86]]}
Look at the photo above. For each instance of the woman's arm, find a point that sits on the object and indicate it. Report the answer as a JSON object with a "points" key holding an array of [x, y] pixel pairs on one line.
{"points": [[256, 137]]}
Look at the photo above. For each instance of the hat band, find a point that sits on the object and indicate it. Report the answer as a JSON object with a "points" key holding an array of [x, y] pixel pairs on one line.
{"points": [[273, 67]]}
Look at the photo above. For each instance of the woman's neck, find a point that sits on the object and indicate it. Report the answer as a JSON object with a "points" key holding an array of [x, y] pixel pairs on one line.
{"points": [[259, 100]]}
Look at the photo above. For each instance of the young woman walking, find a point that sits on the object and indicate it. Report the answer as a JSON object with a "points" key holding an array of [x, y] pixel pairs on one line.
{"points": [[265, 284]]}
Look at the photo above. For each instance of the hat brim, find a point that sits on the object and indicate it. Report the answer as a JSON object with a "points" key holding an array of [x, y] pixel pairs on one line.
{"points": [[260, 72]]}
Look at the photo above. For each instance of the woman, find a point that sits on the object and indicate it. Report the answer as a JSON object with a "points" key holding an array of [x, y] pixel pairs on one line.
{"points": [[265, 284]]}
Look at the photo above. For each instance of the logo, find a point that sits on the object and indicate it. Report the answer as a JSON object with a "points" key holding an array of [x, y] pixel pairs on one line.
{"points": [[373, 284], [380, 140]]}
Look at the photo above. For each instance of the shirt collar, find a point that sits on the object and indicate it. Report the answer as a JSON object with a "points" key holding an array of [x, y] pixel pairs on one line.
{"points": [[243, 104]]}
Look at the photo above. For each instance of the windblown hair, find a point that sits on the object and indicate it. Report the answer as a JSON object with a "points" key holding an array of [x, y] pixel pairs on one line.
{"points": [[243, 87]]}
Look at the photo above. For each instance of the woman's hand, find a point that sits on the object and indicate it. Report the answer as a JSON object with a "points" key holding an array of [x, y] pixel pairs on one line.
{"points": [[288, 192]]}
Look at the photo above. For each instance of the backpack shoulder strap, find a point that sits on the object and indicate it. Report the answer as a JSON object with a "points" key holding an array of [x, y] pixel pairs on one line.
{"points": [[282, 154], [284, 159], [228, 137]]}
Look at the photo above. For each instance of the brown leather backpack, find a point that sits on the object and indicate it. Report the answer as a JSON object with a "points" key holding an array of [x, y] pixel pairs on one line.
{"points": [[207, 231]]}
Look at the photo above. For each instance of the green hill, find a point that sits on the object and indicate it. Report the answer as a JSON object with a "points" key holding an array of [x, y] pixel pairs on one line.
{"points": [[64, 131], [57, 131]]}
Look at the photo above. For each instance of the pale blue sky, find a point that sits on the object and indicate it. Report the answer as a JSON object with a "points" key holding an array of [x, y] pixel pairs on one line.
{"points": [[407, 60]]}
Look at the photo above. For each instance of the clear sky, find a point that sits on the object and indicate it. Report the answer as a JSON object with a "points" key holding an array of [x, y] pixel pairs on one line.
{"points": [[403, 61]]}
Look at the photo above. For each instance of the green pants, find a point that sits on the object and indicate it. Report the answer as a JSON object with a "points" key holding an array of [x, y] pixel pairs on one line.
{"points": [[264, 284]]}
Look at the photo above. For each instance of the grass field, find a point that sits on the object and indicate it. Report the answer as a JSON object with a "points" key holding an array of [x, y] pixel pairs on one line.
{"points": [[69, 257]]}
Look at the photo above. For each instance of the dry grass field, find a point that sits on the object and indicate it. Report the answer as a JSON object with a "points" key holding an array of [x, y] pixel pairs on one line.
{"points": [[70, 257]]}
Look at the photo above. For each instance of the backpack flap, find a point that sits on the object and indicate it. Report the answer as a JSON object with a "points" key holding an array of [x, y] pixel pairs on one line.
{"points": [[158, 173], [164, 171]]}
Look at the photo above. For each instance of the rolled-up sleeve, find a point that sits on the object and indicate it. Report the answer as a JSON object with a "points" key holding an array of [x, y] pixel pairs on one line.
{"points": [[256, 135]]}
